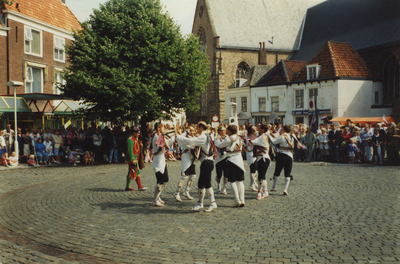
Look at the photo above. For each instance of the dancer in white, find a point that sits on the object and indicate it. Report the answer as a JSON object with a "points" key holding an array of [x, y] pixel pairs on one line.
{"points": [[207, 164], [261, 150], [251, 159], [188, 168], [220, 163], [284, 159], [160, 142], [234, 166]]}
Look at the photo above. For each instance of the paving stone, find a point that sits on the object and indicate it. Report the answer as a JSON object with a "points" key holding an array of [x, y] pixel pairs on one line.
{"points": [[331, 215]]}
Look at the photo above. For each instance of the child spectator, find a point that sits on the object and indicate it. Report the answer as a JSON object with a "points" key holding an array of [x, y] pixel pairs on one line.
{"points": [[73, 157], [87, 158], [13, 159], [32, 161], [5, 161], [351, 149], [92, 158]]}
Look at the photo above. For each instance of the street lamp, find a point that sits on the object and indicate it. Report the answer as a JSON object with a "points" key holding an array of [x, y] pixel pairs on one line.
{"points": [[15, 84]]}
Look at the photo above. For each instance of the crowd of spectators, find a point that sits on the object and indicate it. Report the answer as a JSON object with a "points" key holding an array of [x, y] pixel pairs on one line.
{"points": [[351, 143]]}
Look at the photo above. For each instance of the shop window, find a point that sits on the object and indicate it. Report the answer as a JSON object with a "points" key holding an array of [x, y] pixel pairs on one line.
{"points": [[299, 120]]}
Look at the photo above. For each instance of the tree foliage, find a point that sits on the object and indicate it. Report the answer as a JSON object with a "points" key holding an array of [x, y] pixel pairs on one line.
{"points": [[130, 59]]}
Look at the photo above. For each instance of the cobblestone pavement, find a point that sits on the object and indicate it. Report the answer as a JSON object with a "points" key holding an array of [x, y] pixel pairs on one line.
{"points": [[333, 214]]}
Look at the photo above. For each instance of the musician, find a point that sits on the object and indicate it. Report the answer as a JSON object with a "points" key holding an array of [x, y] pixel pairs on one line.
{"points": [[220, 163], [284, 159], [135, 161], [251, 159], [261, 152], [160, 143], [205, 142], [234, 165], [188, 168]]}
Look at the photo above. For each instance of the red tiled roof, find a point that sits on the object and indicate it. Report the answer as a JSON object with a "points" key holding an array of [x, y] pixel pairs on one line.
{"points": [[337, 59], [52, 12], [283, 72]]}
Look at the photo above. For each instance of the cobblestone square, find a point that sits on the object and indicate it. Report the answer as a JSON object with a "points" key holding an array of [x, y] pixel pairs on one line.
{"points": [[333, 214]]}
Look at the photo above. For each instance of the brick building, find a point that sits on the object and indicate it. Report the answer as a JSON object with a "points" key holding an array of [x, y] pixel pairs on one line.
{"points": [[230, 32], [32, 39]]}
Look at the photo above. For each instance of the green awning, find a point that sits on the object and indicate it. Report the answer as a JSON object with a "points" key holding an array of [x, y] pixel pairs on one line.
{"points": [[7, 104]]}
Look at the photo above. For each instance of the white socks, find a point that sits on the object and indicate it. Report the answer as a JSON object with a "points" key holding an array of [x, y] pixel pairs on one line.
{"points": [[235, 191], [240, 186], [287, 181]]}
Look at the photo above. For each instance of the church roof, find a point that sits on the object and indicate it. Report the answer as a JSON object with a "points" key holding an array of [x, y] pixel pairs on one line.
{"points": [[283, 72], [364, 24], [337, 59], [243, 24], [52, 12]]}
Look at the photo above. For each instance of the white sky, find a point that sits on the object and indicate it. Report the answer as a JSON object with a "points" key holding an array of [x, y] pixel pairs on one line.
{"points": [[182, 11]]}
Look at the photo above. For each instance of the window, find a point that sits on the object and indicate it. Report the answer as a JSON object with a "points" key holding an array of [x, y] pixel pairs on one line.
{"points": [[203, 40], [299, 120], [244, 104], [299, 98], [313, 92], [34, 80], [262, 107], [313, 71], [260, 119], [233, 100], [241, 76], [59, 49], [58, 80], [377, 98], [275, 104], [33, 41], [391, 84]]}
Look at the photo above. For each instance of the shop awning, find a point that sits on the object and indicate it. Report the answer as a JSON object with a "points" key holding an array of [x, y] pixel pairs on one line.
{"points": [[362, 120], [7, 104], [68, 107]]}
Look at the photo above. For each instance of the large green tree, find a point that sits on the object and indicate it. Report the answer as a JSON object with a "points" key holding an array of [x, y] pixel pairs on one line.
{"points": [[130, 60]]}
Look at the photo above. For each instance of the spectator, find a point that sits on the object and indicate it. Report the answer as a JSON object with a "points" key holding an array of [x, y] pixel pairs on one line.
{"points": [[97, 140], [334, 143], [351, 149], [73, 156], [323, 145], [366, 138], [40, 151], [377, 140], [309, 142], [4, 160], [13, 159], [3, 148], [82, 140], [113, 146], [20, 142], [58, 142], [27, 144], [49, 149], [32, 161], [8, 135]]}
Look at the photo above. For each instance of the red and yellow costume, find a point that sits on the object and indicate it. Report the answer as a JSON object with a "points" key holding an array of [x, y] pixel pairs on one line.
{"points": [[135, 161]]}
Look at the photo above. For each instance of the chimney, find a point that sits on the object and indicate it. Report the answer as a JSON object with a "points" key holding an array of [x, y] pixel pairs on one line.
{"points": [[62, 1], [262, 55]]}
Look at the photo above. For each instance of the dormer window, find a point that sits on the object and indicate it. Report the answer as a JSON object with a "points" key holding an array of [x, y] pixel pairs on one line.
{"points": [[313, 71]]}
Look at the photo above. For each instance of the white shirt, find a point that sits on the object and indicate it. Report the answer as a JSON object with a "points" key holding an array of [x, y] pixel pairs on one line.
{"points": [[159, 158], [283, 143], [200, 141], [249, 151], [263, 142], [97, 140], [233, 144], [187, 157]]}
